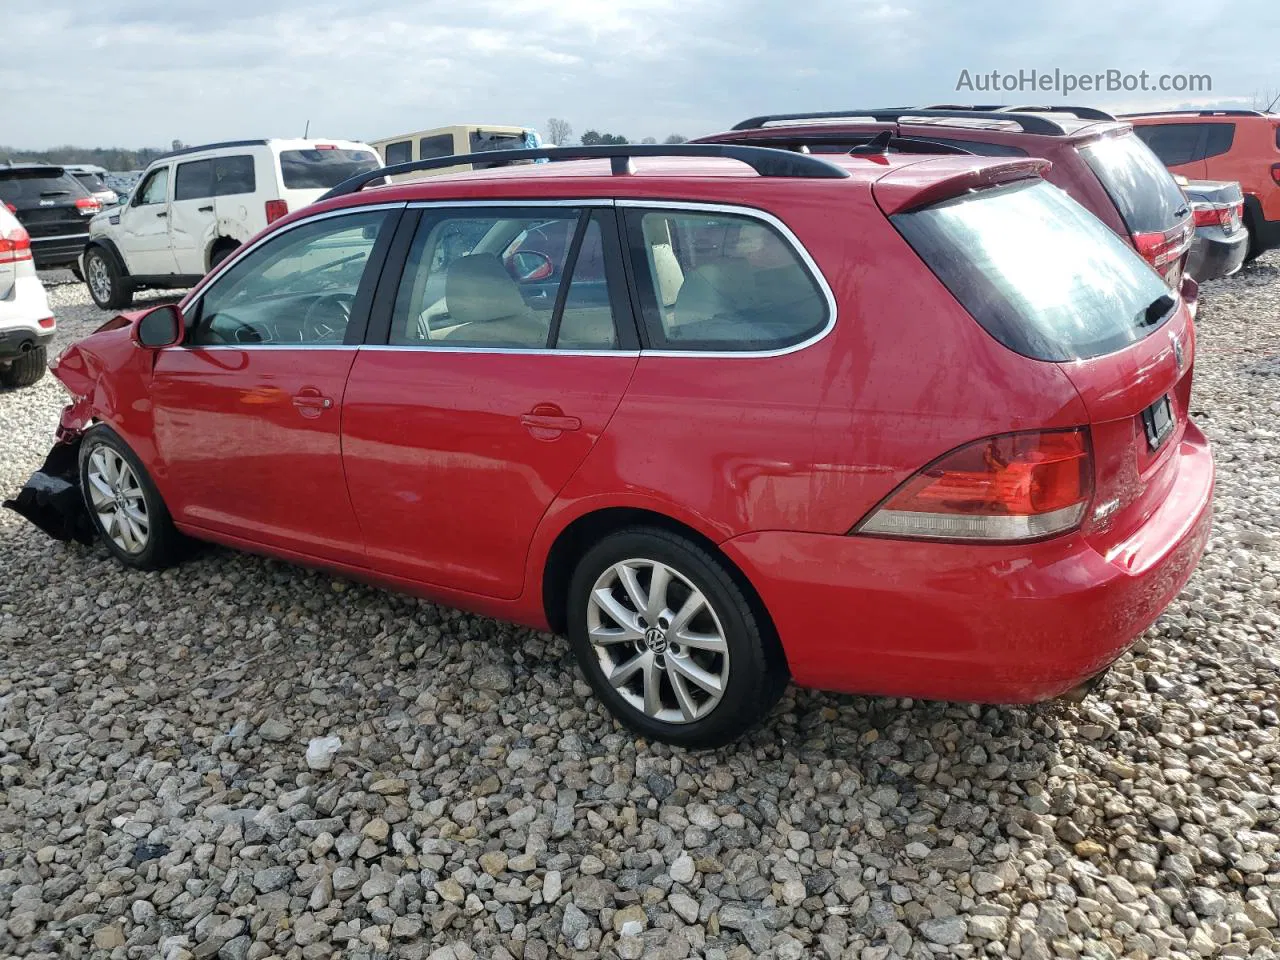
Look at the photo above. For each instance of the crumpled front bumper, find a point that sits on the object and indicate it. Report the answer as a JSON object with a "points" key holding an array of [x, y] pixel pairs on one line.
{"points": [[52, 499]]}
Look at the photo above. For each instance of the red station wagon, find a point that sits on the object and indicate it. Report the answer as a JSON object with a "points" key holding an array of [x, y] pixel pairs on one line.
{"points": [[935, 445]]}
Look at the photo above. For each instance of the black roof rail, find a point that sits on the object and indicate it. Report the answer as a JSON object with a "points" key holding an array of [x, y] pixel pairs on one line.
{"points": [[1082, 113], [1193, 113], [1029, 122], [211, 146], [766, 161], [861, 143]]}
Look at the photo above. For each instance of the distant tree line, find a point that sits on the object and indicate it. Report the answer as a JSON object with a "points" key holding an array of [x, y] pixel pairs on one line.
{"points": [[112, 158], [561, 134]]}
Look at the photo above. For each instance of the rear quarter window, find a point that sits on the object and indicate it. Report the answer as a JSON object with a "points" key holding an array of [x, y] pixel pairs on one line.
{"points": [[1040, 273], [322, 169], [1137, 182]]}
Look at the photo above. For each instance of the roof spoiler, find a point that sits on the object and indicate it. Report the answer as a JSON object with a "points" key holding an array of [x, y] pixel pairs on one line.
{"points": [[924, 184], [1029, 122], [765, 161]]}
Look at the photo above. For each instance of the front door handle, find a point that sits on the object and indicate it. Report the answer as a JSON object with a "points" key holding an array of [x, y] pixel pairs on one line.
{"points": [[163, 213], [546, 421], [208, 209]]}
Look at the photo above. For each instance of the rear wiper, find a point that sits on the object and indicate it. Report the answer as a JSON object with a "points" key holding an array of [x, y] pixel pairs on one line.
{"points": [[1156, 311]]}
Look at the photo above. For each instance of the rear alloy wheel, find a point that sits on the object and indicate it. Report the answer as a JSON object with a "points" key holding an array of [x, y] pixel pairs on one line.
{"points": [[123, 503], [669, 642], [109, 289]]}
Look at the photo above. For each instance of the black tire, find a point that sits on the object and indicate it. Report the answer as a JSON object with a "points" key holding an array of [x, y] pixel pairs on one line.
{"points": [[115, 292], [163, 543], [220, 252], [756, 669], [26, 369]]}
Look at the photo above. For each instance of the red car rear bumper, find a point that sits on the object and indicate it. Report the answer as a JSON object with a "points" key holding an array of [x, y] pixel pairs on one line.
{"points": [[986, 623]]}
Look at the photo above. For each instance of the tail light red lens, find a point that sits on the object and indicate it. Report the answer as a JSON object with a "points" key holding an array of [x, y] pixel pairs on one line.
{"points": [[1158, 250], [11, 208], [1214, 215], [1018, 486], [46, 323], [15, 245], [87, 205], [276, 209]]}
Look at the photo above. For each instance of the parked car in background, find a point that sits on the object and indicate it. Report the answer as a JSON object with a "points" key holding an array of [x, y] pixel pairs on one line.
{"points": [[53, 206], [1096, 159], [26, 322], [123, 183], [382, 385], [194, 207], [1222, 240], [94, 180], [460, 140], [1240, 145]]}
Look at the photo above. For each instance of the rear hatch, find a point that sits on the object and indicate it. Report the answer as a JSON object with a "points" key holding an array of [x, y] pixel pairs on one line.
{"points": [[1150, 202], [47, 201], [308, 171], [1048, 280]]}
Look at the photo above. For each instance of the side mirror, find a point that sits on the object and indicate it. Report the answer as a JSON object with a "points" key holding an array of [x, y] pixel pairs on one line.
{"points": [[159, 327], [530, 266]]}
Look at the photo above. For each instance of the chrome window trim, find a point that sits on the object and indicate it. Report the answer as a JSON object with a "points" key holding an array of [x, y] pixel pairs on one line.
{"points": [[796, 246], [244, 251], [531, 352], [514, 202]]}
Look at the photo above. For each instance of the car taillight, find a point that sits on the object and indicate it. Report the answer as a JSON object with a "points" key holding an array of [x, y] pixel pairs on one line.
{"points": [[11, 208], [1157, 249], [276, 209], [88, 205], [15, 245], [325, 146], [46, 323], [1214, 214], [1017, 486]]}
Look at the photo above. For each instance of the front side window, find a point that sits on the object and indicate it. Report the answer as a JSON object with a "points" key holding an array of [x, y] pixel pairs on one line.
{"points": [[506, 279], [193, 180], [715, 281], [296, 289], [155, 189]]}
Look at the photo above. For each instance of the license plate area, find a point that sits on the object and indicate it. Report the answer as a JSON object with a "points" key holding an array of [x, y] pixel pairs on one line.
{"points": [[1157, 422]]}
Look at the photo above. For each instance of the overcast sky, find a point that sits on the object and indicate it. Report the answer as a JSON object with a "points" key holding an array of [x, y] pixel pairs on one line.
{"points": [[135, 73]]}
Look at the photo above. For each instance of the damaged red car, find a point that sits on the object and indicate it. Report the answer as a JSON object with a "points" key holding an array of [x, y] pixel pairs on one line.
{"points": [[727, 416]]}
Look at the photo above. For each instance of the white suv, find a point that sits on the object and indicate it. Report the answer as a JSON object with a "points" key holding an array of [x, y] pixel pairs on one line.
{"points": [[26, 322], [193, 207]]}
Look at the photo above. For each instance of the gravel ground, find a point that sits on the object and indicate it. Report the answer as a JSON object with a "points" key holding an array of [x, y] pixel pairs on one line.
{"points": [[156, 801]]}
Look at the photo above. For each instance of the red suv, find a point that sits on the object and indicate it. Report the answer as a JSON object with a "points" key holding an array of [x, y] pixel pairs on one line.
{"points": [[721, 439], [1240, 145], [1095, 158]]}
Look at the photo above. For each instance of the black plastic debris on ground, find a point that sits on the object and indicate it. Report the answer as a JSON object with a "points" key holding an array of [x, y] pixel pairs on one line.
{"points": [[148, 851]]}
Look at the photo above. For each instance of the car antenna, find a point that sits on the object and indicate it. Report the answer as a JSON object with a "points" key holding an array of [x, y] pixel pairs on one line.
{"points": [[1271, 104], [307, 129], [878, 145]]}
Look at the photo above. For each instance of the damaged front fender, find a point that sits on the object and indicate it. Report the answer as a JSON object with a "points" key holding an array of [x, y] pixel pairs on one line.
{"points": [[52, 499]]}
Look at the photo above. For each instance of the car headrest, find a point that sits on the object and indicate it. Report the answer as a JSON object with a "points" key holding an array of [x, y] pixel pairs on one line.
{"points": [[478, 289]]}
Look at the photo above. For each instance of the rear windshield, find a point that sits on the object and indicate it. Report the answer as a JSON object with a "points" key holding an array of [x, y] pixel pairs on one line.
{"points": [[26, 188], [93, 181], [1040, 273], [1142, 189], [322, 169], [482, 142]]}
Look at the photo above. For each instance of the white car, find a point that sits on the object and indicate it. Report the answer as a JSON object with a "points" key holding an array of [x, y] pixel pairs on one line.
{"points": [[26, 322], [193, 207]]}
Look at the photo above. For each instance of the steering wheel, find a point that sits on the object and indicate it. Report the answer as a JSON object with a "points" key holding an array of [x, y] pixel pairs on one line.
{"points": [[326, 319]]}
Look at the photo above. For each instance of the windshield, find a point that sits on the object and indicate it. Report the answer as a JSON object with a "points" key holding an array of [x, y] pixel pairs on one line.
{"points": [[1142, 189], [1040, 273], [322, 169], [27, 188]]}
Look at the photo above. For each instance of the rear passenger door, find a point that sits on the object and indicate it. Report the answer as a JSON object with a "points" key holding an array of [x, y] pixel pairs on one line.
{"points": [[191, 217], [481, 391]]}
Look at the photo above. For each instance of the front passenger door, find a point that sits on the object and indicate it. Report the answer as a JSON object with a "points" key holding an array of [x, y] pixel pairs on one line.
{"points": [[248, 409], [144, 227]]}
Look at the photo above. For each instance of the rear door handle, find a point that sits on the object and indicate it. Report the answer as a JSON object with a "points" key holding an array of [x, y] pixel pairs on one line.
{"points": [[163, 213], [208, 209], [311, 402], [548, 418]]}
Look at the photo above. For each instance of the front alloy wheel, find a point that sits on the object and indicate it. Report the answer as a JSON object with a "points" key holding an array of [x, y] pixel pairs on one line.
{"points": [[670, 639], [658, 641], [118, 500]]}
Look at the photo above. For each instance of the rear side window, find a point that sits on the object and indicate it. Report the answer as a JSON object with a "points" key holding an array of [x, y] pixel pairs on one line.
{"points": [[1218, 139], [400, 152], [27, 188], [322, 169], [721, 282], [482, 142], [431, 148], [233, 175], [1039, 272], [1142, 189], [1173, 143], [193, 180]]}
